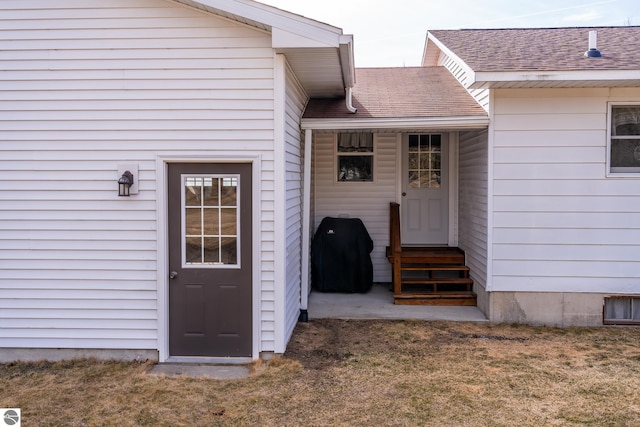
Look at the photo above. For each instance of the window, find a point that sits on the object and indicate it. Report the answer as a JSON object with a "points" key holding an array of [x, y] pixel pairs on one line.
{"points": [[355, 157], [425, 161], [624, 149], [210, 234], [621, 311]]}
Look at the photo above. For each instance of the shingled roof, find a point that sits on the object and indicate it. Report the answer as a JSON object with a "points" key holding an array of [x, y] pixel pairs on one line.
{"points": [[542, 49], [410, 92]]}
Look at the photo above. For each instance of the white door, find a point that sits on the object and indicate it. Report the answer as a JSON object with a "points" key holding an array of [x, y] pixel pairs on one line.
{"points": [[425, 190]]}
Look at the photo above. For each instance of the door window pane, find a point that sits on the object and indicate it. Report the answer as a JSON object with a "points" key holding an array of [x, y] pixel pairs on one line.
{"points": [[425, 161], [193, 191], [229, 225], [229, 191], [210, 215], [210, 192], [211, 221]]}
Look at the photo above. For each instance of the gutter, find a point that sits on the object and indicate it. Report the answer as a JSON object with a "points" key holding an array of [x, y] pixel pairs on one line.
{"points": [[452, 123], [349, 101]]}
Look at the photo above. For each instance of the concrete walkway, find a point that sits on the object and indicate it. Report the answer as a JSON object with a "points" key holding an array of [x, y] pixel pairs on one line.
{"points": [[218, 372], [378, 304]]}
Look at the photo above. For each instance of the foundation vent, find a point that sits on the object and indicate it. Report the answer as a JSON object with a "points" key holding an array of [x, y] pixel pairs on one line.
{"points": [[621, 310]]}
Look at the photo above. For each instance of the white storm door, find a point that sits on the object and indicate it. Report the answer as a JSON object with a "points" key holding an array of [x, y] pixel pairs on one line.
{"points": [[425, 190]]}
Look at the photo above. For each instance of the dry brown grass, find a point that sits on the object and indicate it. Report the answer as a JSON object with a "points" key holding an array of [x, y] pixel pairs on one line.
{"points": [[373, 373]]}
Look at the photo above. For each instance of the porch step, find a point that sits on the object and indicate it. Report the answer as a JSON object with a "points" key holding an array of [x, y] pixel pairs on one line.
{"points": [[437, 281], [436, 298], [433, 255], [428, 275], [428, 267]]}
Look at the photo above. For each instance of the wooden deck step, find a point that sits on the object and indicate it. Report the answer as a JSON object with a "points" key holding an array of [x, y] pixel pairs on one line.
{"points": [[437, 281], [436, 298], [415, 267]]}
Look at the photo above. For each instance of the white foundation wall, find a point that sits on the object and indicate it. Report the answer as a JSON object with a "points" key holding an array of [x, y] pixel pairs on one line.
{"points": [[87, 86]]}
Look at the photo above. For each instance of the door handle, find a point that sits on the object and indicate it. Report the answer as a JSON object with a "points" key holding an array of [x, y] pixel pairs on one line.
{"points": [[404, 194], [173, 275]]}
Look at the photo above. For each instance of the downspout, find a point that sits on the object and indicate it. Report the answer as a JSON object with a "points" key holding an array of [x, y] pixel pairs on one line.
{"points": [[349, 101], [305, 287]]}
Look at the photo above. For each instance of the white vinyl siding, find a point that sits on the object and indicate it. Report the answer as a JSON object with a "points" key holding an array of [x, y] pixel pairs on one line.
{"points": [[473, 209], [90, 85], [296, 100], [365, 200], [559, 225]]}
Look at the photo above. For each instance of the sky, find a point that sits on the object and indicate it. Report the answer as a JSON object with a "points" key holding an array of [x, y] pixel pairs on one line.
{"points": [[391, 33]]}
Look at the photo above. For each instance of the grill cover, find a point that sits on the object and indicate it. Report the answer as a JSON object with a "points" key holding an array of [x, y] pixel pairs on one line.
{"points": [[341, 260]]}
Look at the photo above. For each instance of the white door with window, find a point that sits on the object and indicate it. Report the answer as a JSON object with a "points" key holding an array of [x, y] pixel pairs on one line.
{"points": [[425, 190]]}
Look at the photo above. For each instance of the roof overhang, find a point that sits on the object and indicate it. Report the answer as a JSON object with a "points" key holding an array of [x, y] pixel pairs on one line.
{"points": [[555, 79], [477, 79], [401, 124], [320, 55]]}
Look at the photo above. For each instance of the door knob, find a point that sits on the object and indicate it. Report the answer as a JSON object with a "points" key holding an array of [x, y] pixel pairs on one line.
{"points": [[404, 194], [173, 275]]}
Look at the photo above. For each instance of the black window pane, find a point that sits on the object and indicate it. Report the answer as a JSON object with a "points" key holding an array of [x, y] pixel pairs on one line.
{"points": [[625, 121], [625, 153], [355, 168]]}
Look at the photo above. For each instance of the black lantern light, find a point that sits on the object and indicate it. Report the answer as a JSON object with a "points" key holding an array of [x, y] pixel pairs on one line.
{"points": [[124, 184]]}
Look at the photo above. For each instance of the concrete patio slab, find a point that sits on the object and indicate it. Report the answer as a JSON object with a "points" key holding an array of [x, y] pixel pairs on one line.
{"points": [[378, 304]]}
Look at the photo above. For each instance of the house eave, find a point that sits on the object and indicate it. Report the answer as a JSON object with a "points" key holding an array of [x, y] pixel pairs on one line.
{"points": [[410, 123], [537, 79]]}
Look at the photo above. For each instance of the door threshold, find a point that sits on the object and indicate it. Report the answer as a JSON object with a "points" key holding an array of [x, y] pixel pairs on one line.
{"points": [[201, 360]]}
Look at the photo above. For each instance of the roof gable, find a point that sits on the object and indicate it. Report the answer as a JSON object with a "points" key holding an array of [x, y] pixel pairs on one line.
{"points": [[268, 18], [320, 54], [549, 56]]}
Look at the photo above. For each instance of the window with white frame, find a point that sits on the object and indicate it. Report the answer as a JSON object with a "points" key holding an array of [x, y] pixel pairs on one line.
{"points": [[354, 157], [624, 146]]}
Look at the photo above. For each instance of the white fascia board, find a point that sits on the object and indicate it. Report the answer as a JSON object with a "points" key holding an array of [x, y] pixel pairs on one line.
{"points": [[347, 60], [484, 79], [463, 122], [469, 71], [282, 39]]}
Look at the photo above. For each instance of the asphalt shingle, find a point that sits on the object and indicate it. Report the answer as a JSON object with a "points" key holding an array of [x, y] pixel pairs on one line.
{"points": [[408, 92], [543, 49]]}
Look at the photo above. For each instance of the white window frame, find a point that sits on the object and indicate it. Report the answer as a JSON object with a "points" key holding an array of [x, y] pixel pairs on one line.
{"points": [[610, 137], [336, 160]]}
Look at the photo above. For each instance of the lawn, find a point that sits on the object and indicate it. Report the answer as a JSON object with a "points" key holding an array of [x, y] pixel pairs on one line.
{"points": [[367, 373]]}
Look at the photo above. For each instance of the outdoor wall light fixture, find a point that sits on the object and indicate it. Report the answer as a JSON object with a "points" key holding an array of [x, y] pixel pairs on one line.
{"points": [[124, 184]]}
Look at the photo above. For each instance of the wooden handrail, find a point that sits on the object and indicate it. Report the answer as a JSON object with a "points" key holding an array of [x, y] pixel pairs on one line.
{"points": [[395, 243]]}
